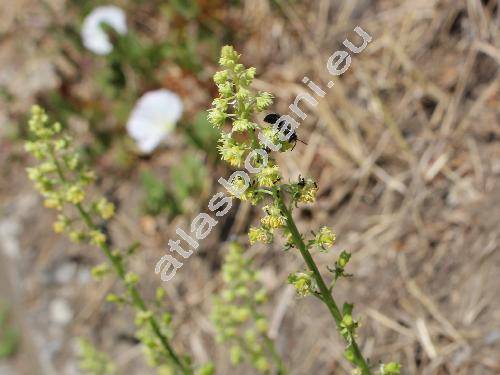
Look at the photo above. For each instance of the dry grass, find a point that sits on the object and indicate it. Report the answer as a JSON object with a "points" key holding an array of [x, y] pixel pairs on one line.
{"points": [[406, 151]]}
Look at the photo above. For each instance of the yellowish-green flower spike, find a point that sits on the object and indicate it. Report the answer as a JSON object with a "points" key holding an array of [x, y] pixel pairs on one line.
{"points": [[236, 314], [245, 141], [61, 177]]}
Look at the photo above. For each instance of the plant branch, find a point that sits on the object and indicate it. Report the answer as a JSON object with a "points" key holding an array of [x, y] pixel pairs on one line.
{"points": [[324, 291], [117, 264]]}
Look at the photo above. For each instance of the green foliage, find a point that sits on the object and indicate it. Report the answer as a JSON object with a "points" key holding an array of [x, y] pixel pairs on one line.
{"points": [[202, 136], [92, 361], [9, 336], [186, 179], [157, 199]]}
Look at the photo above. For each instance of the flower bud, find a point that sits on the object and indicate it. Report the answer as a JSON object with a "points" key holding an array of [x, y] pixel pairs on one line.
{"points": [[75, 194], [97, 238]]}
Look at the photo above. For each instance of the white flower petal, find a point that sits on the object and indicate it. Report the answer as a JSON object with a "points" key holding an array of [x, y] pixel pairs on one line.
{"points": [[153, 118], [94, 37]]}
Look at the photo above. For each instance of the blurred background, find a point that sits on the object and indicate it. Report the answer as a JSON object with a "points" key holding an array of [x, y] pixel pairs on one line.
{"points": [[405, 149]]}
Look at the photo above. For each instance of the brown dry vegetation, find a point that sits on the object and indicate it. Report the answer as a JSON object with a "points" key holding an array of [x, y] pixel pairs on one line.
{"points": [[406, 152]]}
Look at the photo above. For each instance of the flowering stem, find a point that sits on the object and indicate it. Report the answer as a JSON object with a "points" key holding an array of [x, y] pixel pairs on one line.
{"points": [[324, 292], [137, 300]]}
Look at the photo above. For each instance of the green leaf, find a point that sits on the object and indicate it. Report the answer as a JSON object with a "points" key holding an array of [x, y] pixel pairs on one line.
{"points": [[347, 309]]}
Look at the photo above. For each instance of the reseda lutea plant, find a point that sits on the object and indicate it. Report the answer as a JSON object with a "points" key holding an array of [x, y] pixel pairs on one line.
{"points": [[247, 143], [62, 177]]}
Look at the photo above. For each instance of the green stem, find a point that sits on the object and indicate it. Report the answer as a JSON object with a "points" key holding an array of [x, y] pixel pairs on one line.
{"points": [[137, 300], [326, 296], [274, 353]]}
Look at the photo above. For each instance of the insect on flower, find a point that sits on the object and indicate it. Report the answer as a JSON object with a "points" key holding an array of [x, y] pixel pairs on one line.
{"points": [[272, 118]]}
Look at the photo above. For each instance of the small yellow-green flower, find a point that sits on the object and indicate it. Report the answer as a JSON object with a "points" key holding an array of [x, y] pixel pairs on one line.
{"points": [[391, 368], [232, 151], [97, 238], [75, 194], [131, 278], [302, 282], [220, 77], [268, 176], [105, 208], [243, 125], [261, 364], [324, 238], [260, 235], [307, 191], [53, 201], [99, 271], [61, 224], [229, 57], [274, 219], [263, 100], [76, 236]]}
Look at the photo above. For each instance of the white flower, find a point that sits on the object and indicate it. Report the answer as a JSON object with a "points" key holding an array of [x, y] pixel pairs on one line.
{"points": [[93, 35], [153, 118]]}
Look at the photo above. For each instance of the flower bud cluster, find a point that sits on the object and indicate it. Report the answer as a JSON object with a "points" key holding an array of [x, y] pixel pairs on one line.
{"points": [[235, 312], [304, 191], [245, 142], [61, 177]]}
